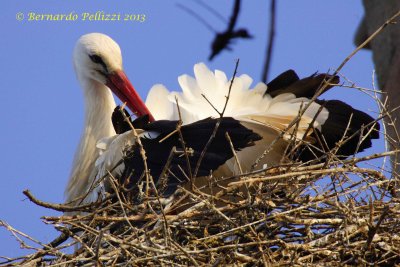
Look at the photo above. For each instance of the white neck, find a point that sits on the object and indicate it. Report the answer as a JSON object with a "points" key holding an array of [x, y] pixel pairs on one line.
{"points": [[99, 106]]}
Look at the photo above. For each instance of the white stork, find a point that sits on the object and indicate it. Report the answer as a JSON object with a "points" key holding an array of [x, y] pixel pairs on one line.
{"points": [[259, 115], [98, 65]]}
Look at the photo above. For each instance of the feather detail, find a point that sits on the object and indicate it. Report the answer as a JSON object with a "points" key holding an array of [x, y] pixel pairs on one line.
{"points": [[155, 101], [244, 102]]}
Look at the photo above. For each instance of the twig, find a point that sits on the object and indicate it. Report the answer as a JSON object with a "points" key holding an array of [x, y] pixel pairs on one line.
{"points": [[196, 16], [221, 114], [270, 44], [234, 152], [142, 151], [58, 207], [185, 150]]}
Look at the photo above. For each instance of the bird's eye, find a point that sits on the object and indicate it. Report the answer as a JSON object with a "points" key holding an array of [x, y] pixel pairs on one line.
{"points": [[96, 59]]}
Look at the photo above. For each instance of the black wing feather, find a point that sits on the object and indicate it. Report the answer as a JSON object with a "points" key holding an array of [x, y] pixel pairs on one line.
{"points": [[196, 136], [283, 80], [340, 116], [343, 122], [121, 125], [289, 82]]}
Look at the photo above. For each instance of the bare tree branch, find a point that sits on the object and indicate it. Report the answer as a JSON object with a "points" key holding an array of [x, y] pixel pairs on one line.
{"points": [[270, 44]]}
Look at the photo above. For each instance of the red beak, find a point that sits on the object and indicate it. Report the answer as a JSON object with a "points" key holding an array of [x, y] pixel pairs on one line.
{"points": [[124, 90]]}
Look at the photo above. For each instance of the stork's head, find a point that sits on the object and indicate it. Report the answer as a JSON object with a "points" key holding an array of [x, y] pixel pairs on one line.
{"points": [[97, 57]]}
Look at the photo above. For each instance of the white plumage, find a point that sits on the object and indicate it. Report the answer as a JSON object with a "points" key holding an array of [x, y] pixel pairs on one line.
{"points": [[244, 103], [99, 104]]}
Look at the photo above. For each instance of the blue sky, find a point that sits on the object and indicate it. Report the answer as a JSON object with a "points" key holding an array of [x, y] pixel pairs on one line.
{"points": [[42, 105]]}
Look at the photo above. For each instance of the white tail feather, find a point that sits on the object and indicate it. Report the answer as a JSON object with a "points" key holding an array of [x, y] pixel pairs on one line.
{"points": [[244, 103]]}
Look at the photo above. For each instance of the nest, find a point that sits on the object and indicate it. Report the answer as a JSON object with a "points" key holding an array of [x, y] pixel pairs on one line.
{"points": [[333, 213], [338, 212]]}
